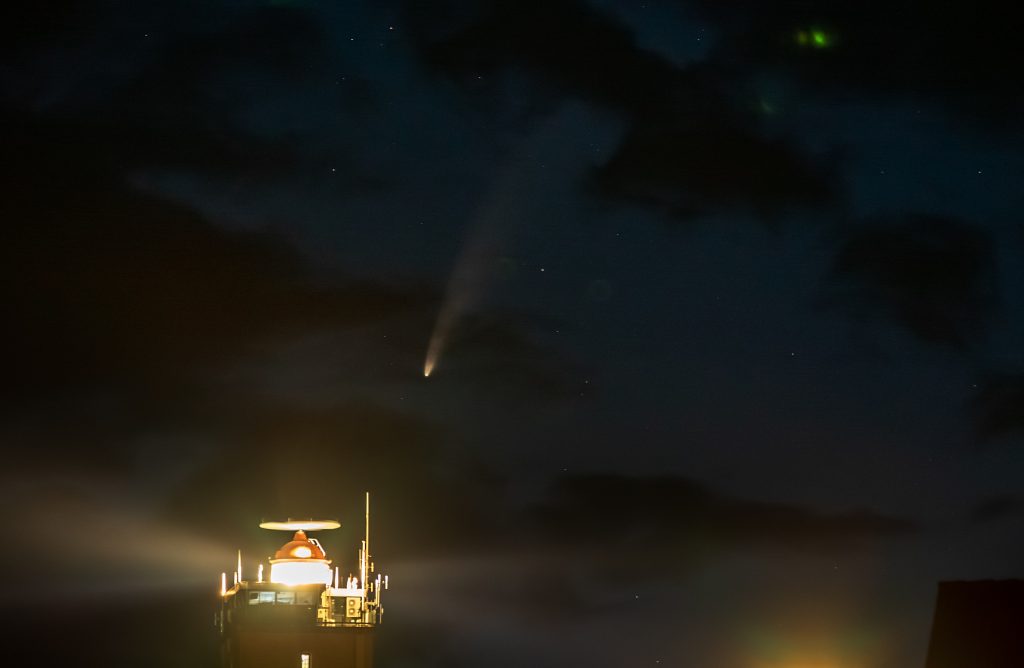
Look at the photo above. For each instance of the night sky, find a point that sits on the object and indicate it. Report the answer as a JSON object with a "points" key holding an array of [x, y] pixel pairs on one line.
{"points": [[727, 300]]}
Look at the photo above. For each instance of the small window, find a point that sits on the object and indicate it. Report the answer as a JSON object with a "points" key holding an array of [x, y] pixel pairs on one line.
{"points": [[286, 597], [304, 598], [254, 598], [303, 661], [266, 597]]}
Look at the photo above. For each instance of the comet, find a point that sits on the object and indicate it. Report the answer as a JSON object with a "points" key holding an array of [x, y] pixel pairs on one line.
{"points": [[503, 209], [468, 281]]}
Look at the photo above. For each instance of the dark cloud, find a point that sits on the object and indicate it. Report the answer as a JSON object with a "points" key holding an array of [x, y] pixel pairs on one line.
{"points": [[591, 540], [125, 303], [28, 25], [174, 623], [999, 407], [441, 503], [280, 459], [995, 508], [107, 284], [687, 168], [597, 59], [688, 146], [675, 520], [184, 44], [420, 641], [237, 64], [925, 51], [931, 274], [154, 87], [505, 350]]}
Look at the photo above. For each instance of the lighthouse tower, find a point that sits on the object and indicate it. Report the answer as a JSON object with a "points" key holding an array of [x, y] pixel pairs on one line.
{"points": [[301, 614]]}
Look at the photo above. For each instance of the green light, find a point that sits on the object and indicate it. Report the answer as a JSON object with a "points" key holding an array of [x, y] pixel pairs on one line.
{"points": [[814, 37]]}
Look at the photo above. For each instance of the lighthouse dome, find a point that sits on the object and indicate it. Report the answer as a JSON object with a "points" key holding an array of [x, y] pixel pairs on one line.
{"points": [[300, 547]]}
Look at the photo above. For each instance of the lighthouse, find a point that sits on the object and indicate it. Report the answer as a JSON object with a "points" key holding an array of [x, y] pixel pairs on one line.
{"points": [[301, 613]]}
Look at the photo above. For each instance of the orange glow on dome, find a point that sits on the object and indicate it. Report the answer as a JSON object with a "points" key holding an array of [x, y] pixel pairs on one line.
{"points": [[301, 547], [301, 561]]}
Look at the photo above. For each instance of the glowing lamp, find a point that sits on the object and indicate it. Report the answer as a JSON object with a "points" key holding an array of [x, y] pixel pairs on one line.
{"points": [[301, 572], [301, 561]]}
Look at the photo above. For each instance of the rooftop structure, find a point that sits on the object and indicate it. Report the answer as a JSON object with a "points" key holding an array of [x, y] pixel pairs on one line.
{"points": [[303, 614], [978, 624]]}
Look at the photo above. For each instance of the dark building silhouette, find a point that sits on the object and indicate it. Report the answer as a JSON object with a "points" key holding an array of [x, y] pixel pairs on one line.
{"points": [[978, 624]]}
